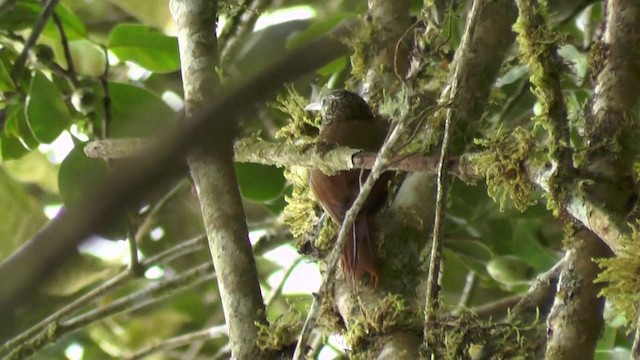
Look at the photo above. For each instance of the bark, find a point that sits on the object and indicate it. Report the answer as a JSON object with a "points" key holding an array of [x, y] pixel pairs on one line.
{"points": [[213, 173], [611, 130], [575, 321]]}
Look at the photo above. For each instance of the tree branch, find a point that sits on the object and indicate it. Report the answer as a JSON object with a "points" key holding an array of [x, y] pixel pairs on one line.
{"points": [[213, 173], [467, 92], [575, 321], [133, 178]]}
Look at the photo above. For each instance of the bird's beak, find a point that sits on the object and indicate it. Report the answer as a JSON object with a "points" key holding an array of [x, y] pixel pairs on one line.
{"points": [[314, 106]]}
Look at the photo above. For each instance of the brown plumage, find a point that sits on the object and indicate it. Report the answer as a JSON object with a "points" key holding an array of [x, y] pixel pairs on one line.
{"points": [[347, 120]]}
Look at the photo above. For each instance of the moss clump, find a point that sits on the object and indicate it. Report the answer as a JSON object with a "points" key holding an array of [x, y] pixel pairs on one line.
{"points": [[281, 333], [300, 213], [467, 337], [297, 130], [621, 274], [503, 167], [391, 313]]}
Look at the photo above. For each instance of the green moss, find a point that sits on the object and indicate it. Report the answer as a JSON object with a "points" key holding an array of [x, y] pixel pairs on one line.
{"points": [[465, 336], [621, 274], [45, 336], [294, 105], [539, 50], [300, 211], [280, 333], [391, 313], [362, 50], [503, 167]]}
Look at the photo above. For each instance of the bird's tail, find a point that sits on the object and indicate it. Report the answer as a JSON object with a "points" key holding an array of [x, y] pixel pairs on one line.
{"points": [[358, 255]]}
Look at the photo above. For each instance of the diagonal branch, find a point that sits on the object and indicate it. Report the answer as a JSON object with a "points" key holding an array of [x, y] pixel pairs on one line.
{"points": [[46, 13], [132, 179]]}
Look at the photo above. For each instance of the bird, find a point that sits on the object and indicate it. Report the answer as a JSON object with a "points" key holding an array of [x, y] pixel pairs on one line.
{"points": [[347, 120]]}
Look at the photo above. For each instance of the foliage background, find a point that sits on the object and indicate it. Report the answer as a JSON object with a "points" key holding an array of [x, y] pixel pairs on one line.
{"points": [[126, 52]]}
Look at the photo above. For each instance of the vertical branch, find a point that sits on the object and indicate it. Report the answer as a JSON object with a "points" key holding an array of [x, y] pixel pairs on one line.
{"points": [[538, 49], [575, 321], [390, 20], [214, 176], [484, 43], [240, 27], [71, 69], [611, 129], [435, 262]]}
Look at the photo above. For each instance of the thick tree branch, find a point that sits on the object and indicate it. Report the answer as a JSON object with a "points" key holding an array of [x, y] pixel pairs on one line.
{"points": [[611, 129], [214, 176], [330, 159], [390, 20], [575, 321], [478, 65], [606, 225], [132, 179]]}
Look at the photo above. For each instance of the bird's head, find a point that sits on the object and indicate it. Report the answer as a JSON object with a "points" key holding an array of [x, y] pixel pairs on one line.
{"points": [[342, 105]]}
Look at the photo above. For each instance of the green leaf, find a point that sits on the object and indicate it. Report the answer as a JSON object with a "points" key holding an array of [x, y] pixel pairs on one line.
{"points": [[17, 119], [146, 47], [333, 67], [259, 182], [73, 27], [35, 168], [526, 245], [88, 57], [47, 114], [26, 12], [6, 83], [509, 270], [136, 112], [473, 249], [11, 147], [22, 16]]}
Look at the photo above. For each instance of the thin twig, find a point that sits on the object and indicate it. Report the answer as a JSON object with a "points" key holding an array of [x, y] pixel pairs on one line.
{"points": [[448, 96], [278, 290], [106, 99], [71, 70], [540, 293], [148, 219], [113, 283], [635, 349], [467, 291], [233, 44], [145, 297], [135, 301], [134, 263], [46, 13], [213, 332], [379, 167], [435, 263]]}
